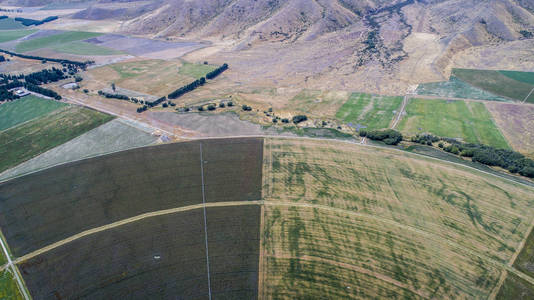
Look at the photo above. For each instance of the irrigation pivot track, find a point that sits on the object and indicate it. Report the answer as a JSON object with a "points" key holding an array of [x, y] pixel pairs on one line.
{"points": [[205, 220]]}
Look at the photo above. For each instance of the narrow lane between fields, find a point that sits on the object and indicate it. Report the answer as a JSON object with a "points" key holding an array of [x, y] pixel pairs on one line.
{"points": [[10, 263]]}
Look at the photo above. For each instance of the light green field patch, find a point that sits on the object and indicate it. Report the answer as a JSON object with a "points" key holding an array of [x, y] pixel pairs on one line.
{"points": [[54, 40], [195, 70], [526, 77], [497, 83], [319, 103], [8, 286], [110, 137], [83, 48], [30, 139], [456, 88], [24, 109], [469, 121], [371, 111], [9, 35], [9, 23]]}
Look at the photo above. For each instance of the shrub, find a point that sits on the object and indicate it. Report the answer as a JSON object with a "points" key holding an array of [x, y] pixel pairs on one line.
{"points": [[230, 104], [222, 105], [388, 136], [246, 107], [299, 118], [165, 105], [211, 107]]}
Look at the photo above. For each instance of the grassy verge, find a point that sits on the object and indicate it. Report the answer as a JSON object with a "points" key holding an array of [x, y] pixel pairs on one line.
{"points": [[370, 111], [515, 287], [54, 40], [24, 109], [23, 142], [469, 121], [8, 286]]}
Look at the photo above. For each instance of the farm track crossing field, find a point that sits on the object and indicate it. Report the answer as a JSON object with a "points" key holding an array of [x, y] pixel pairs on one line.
{"points": [[234, 241], [369, 111], [93, 192], [24, 109], [465, 213], [315, 253], [32, 138], [514, 85], [54, 40], [469, 121], [125, 184], [159, 257], [10, 35], [122, 262]]}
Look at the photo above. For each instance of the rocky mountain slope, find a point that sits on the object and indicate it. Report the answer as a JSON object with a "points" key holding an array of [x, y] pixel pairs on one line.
{"points": [[371, 45]]}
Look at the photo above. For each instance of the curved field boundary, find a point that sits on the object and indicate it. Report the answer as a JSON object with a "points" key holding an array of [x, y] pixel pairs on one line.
{"points": [[522, 182], [440, 240], [131, 220]]}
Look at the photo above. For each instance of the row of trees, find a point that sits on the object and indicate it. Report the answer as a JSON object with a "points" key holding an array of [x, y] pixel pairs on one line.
{"points": [[80, 64], [510, 160], [29, 22], [115, 96], [217, 71], [42, 91], [187, 88], [45, 76]]}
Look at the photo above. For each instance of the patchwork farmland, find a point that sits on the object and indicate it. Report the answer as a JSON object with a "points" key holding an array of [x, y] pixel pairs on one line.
{"points": [[23, 142], [268, 218], [466, 120]]}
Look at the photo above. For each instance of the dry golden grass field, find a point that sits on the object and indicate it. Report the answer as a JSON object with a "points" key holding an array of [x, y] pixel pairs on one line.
{"points": [[353, 221]]}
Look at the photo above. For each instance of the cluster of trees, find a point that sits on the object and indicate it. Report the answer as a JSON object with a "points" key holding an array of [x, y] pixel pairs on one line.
{"points": [[299, 118], [2, 58], [217, 71], [187, 88], [45, 76], [142, 108], [42, 91], [114, 96], [80, 64], [158, 101], [507, 159], [388, 136], [29, 22], [425, 139]]}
